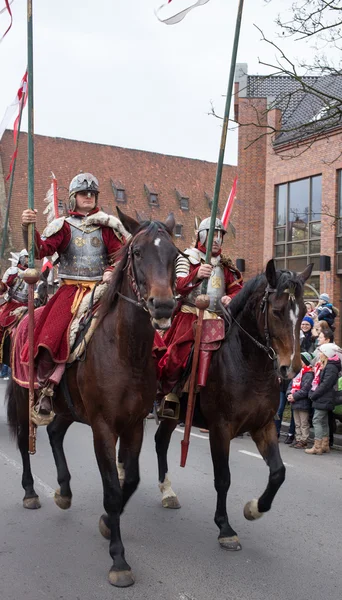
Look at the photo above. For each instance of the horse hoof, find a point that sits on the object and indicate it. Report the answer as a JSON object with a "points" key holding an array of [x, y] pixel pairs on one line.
{"points": [[230, 543], [32, 503], [171, 502], [104, 529], [251, 512], [63, 502], [121, 578]]}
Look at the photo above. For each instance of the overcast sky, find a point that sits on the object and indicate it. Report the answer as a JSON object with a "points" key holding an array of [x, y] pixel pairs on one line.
{"points": [[110, 72]]}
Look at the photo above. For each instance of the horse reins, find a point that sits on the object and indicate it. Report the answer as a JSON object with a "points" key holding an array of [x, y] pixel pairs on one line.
{"points": [[271, 353]]}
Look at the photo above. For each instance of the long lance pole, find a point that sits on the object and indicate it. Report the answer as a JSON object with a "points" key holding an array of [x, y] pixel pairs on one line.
{"points": [[203, 300], [5, 228], [31, 274]]}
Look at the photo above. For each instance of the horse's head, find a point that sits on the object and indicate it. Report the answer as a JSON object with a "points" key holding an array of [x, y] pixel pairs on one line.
{"points": [[151, 257], [284, 309]]}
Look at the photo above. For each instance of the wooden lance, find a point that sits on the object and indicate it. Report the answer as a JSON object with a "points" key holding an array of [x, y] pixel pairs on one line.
{"points": [[31, 274], [202, 301]]}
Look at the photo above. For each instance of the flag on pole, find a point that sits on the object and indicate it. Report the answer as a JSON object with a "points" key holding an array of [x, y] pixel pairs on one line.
{"points": [[8, 8], [187, 5], [14, 107], [47, 264], [19, 102], [229, 206]]}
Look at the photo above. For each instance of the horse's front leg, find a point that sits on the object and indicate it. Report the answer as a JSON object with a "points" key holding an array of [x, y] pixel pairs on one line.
{"points": [[56, 431], [267, 442], [162, 441], [130, 446], [31, 498], [105, 440], [219, 445]]}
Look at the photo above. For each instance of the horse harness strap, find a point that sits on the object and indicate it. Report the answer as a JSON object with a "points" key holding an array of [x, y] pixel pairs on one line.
{"points": [[263, 306]]}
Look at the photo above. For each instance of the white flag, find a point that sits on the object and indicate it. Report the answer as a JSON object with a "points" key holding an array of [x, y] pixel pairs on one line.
{"points": [[163, 11]]}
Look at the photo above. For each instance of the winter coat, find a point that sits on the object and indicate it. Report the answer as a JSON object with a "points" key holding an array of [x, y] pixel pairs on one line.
{"points": [[301, 397], [323, 397], [326, 313], [308, 342]]}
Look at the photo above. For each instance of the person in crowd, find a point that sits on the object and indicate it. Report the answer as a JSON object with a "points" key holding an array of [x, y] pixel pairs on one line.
{"points": [[310, 310], [326, 336], [326, 311], [298, 396], [307, 338], [283, 385], [322, 395]]}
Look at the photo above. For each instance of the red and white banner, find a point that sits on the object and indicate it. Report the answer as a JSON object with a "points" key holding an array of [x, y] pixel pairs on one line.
{"points": [[8, 8], [166, 13], [229, 206], [14, 107]]}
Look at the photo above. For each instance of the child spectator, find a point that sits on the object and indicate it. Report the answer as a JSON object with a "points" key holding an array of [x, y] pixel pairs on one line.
{"points": [[298, 396], [326, 311], [322, 395]]}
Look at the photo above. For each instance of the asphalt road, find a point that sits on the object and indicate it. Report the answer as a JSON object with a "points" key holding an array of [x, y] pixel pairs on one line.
{"points": [[294, 552]]}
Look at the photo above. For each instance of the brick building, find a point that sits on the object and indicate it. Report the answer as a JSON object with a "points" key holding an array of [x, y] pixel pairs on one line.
{"points": [[290, 176], [140, 183]]}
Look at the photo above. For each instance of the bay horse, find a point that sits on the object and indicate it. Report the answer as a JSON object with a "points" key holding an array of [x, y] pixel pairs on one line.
{"points": [[113, 389], [242, 391]]}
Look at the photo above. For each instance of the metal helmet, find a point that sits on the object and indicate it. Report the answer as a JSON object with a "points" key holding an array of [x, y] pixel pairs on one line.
{"points": [[22, 255], [204, 227], [83, 182]]}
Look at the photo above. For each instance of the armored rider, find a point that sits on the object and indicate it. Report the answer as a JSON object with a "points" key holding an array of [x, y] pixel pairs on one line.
{"points": [[15, 292], [86, 241], [225, 281]]}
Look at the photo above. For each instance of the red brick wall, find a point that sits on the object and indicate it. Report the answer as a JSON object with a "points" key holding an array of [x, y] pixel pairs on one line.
{"points": [[133, 168]]}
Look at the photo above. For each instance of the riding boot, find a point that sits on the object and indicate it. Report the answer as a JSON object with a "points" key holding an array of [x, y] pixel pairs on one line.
{"points": [[203, 367], [45, 368]]}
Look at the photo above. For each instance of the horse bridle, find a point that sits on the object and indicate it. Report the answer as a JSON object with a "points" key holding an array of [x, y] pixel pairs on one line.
{"points": [[271, 353]]}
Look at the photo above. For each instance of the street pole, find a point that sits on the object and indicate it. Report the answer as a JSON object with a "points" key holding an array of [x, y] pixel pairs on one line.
{"points": [[31, 274], [202, 301]]}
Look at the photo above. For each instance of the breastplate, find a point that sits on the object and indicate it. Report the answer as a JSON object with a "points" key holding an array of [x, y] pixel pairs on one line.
{"points": [[216, 289], [85, 258], [19, 291]]}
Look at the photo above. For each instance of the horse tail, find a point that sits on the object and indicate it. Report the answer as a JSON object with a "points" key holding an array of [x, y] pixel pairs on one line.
{"points": [[12, 413]]}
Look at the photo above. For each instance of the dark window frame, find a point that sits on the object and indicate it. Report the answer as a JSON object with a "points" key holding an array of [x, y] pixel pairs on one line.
{"points": [[339, 223], [285, 248], [116, 189], [180, 233]]}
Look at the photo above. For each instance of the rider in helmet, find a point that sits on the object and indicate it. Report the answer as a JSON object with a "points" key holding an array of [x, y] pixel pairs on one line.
{"points": [[225, 281], [15, 292], [86, 241]]}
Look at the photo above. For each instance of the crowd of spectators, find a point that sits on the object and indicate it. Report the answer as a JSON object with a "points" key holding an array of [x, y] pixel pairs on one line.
{"points": [[313, 394]]}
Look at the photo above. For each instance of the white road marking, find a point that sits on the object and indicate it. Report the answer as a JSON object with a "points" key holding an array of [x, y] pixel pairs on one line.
{"points": [[157, 241], [259, 456], [46, 489], [203, 437]]}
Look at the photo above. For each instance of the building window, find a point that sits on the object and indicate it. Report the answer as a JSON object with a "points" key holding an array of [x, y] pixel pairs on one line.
{"points": [[152, 195], [118, 191], [298, 225], [178, 230], [339, 222], [183, 200]]}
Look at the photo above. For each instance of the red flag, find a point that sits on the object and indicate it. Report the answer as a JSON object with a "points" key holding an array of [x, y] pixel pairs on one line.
{"points": [[8, 8], [174, 18], [229, 206], [19, 101], [46, 265]]}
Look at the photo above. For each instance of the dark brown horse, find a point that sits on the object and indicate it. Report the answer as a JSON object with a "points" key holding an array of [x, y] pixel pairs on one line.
{"points": [[114, 388], [242, 393]]}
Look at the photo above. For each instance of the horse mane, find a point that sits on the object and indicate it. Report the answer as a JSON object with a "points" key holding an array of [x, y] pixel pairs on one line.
{"points": [[150, 229], [285, 280]]}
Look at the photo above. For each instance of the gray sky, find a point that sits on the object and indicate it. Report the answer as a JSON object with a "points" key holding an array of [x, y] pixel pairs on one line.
{"points": [[110, 72]]}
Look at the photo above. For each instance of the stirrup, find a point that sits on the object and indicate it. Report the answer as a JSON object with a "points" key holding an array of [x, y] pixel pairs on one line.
{"points": [[169, 407], [38, 418]]}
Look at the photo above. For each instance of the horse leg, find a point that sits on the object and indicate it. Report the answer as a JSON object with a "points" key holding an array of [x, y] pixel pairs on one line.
{"points": [[162, 441], [17, 419], [131, 446], [219, 446], [268, 446], [56, 431], [120, 573], [120, 464]]}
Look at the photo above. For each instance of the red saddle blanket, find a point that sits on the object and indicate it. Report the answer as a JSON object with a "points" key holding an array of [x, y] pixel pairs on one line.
{"points": [[20, 371]]}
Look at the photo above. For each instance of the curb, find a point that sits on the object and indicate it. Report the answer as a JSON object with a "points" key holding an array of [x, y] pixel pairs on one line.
{"points": [[337, 436]]}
